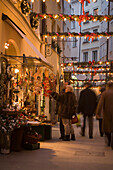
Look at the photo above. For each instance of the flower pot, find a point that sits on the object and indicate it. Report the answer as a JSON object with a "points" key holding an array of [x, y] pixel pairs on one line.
{"points": [[5, 143]]}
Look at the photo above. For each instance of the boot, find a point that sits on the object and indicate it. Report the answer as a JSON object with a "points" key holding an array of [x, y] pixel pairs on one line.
{"points": [[73, 137], [66, 138]]}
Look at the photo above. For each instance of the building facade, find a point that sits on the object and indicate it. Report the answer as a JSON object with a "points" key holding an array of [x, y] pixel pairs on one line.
{"points": [[19, 37], [106, 45], [90, 49]]}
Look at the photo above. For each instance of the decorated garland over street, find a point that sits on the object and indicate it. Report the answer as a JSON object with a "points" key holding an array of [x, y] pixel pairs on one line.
{"points": [[74, 34], [75, 17]]}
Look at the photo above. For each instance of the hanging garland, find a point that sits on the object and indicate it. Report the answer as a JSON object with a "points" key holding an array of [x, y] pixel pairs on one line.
{"points": [[74, 34], [78, 18], [25, 7]]}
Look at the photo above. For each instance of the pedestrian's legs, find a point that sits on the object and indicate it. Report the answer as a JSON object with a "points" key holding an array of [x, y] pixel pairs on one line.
{"points": [[61, 129], [108, 136], [84, 125], [100, 127], [112, 140], [71, 130], [90, 120], [67, 128]]}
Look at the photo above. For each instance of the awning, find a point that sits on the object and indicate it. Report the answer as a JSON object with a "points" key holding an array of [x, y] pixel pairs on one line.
{"points": [[42, 58]]}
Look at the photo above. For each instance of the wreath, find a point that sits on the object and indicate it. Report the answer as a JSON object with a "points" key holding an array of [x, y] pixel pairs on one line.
{"points": [[34, 21], [25, 7]]}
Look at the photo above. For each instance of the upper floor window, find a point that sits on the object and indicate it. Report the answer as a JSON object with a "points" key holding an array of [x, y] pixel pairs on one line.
{"points": [[86, 3], [94, 55], [73, 25], [74, 42], [95, 11], [85, 57], [95, 31], [86, 13], [86, 40]]}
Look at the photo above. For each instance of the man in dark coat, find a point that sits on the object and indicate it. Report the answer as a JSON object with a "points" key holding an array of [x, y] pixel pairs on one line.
{"points": [[66, 110], [106, 102], [87, 105]]}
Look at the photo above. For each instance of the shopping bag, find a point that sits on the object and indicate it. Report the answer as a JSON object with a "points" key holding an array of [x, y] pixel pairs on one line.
{"points": [[74, 119]]}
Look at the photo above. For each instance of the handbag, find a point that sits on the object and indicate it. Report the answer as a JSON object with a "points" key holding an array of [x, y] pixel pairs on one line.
{"points": [[74, 119]]}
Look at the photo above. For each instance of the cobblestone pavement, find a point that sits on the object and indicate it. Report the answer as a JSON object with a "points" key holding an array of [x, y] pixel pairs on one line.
{"points": [[55, 154]]}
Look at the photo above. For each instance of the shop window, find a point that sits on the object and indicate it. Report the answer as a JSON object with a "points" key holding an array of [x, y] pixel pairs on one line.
{"points": [[85, 57]]}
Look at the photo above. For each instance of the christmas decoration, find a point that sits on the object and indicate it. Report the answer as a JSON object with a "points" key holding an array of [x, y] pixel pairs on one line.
{"points": [[78, 18], [82, 2], [74, 34], [34, 20], [25, 7]]}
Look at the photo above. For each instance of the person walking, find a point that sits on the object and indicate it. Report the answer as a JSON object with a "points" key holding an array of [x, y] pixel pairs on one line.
{"points": [[101, 116], [106, 102], [66, 110], [87, 106]]}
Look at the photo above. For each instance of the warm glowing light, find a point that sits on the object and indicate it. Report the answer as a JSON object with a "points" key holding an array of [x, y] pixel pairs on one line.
{"points": [[32, 1], [45, 17], [45, 36], [43, 0], [107, 37], [16, 70], [64, 19], [61, 37], [55, 16], [94, 20], [58, 0], [105, 19], [6, 45]]}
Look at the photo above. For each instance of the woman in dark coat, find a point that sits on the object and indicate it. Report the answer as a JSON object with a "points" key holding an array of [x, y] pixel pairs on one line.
{"points": [[106, 102], [66, 110]]}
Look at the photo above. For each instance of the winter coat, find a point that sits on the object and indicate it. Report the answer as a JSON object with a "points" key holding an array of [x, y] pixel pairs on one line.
{"points": [[87, 102], [67, 107], [101, 113], [106, 102]]}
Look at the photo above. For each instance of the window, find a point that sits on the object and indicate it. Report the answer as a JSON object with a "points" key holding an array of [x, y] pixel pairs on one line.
{"points": [[85, 57], [95, 11], [86, 13], [86, 40], [110, 44], [95, 31], [73, 25], [94, 55], [86, 3], [74, 42]]}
